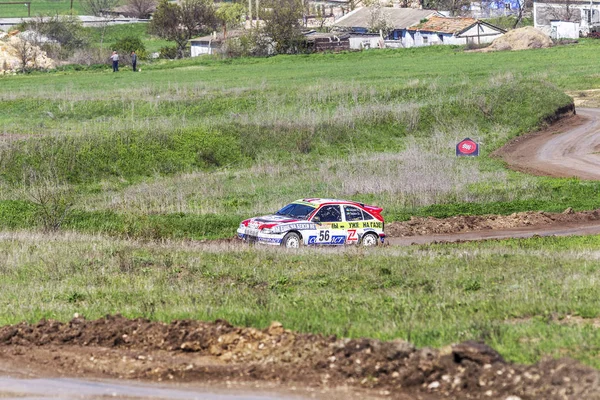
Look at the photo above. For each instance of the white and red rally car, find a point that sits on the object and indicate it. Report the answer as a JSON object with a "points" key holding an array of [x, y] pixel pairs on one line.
{"points": [[317, 221]]}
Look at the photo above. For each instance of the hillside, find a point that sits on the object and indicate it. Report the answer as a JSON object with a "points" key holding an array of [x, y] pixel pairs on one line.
{"points": [[187, 148]]}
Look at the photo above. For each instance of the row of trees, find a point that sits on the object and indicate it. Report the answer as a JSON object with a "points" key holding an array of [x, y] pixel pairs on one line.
{"points": [[180, 22]]}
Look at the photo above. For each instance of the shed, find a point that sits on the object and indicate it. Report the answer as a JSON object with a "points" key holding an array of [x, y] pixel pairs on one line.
{"points": [[456, 31]]}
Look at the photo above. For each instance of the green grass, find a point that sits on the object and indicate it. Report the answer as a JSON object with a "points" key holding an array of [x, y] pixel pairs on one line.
{"points": [[512, 294], [41, 7], [379, 127], [186, 149], [113, 33]]}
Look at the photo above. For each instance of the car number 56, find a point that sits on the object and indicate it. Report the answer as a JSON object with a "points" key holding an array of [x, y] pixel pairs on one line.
{"points": [[324, 236]]}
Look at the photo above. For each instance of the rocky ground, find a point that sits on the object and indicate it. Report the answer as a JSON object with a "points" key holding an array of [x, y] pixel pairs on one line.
{"points": [[431, 226], [189, 351]]}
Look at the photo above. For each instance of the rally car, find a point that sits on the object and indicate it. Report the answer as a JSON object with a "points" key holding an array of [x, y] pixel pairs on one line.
{"points": [[317, 222]]}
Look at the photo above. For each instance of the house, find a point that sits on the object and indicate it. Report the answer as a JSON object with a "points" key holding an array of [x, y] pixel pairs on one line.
{"points": [[211, 44], [204, 45], [456, 31], [361, 20], [550, 15]]}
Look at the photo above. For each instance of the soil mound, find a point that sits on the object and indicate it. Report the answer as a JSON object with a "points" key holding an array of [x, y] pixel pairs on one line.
{"points": [[13, 50], [524, 38], [118, 347], [430, 226]]}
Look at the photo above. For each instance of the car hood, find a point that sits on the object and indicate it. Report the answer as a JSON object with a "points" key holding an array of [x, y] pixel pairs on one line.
{"points": [[271, 220]]}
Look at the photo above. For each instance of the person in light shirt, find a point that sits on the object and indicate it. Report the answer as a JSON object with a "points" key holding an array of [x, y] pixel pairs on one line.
{"points": [[115, 61]]}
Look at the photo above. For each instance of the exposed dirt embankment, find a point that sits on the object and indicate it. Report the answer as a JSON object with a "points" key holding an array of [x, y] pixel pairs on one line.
{"points": [[460, 224], [218, 352]]}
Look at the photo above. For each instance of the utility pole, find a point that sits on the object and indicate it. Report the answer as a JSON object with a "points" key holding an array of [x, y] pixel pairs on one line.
{"points": [[250, 12], [257, 11]]}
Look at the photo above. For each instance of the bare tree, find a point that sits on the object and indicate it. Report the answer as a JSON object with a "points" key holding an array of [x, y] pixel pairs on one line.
{"points": [[27, 52], [141, 8], [564, 11], [98, 8], [54, 200], [379, 20]]}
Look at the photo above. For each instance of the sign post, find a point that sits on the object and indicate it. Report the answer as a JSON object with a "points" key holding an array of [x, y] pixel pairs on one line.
{"points": [[467, 147]]}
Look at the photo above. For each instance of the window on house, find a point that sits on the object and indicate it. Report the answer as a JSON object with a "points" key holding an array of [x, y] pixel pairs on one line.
{"points": [[425, 39], [587, 15]]}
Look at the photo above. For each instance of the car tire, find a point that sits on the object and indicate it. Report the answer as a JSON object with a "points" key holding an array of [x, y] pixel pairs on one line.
{"points": [[369, 240], [291, 241]]}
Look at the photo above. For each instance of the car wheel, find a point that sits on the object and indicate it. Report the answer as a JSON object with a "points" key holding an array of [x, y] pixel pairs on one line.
{"points": [[291, 241], [369, 240]]}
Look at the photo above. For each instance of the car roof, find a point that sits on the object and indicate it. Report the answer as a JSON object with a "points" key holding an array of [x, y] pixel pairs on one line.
{"points": [[316, 202]]}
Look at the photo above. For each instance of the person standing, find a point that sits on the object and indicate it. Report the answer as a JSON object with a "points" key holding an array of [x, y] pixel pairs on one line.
{"points": [[133, 61], [115, 61]]}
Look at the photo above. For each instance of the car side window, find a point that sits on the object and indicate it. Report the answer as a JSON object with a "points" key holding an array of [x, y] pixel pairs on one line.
{"points": [[367, 217], [329, 214], [353, 213]]}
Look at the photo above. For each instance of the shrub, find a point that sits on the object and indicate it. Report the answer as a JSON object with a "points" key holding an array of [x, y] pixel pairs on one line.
{"points": [[129, 44], [168, 52]]}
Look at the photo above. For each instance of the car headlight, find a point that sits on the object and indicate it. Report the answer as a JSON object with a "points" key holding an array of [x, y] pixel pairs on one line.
{"points": [[242, 226], [267, 231]]}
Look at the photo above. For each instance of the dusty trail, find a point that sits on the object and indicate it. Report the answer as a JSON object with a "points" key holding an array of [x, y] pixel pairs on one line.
{"points": [[570, 148]]}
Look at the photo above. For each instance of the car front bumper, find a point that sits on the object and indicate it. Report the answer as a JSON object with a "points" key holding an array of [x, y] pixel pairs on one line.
{"points": [[255, 236]]}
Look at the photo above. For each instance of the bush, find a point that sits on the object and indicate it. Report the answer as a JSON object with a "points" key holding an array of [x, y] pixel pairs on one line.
{"points": [[128, 44], [130, 154], [66, 34], [168, 52]]}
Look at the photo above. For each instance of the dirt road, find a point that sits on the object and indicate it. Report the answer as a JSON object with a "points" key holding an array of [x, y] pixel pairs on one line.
{"points": [[572, 153]]}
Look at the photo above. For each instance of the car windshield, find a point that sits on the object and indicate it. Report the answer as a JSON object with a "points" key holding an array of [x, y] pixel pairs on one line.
{"points": [[300, 211]]}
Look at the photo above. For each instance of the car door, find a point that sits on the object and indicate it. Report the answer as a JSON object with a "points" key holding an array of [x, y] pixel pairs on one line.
{"points": [[329, 226], [353, 218]]}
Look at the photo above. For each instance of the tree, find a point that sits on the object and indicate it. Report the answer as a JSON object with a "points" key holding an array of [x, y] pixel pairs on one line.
{"points": [[141, 8], [181, 22], [564, 11], [282, 24], [379, 20], [230, 15], [98, 8]]}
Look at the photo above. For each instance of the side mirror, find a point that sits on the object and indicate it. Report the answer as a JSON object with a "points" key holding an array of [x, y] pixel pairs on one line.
{"points": [[317, 220]]}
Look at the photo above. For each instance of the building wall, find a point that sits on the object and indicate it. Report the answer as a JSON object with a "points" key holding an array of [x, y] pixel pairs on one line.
{"points": [[480, 34], [364, 42], [419, 39], [582, 13], [564, 30], [199, 49]]}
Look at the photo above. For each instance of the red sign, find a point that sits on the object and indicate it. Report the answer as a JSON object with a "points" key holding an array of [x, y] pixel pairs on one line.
{"points": [[467, 147]]}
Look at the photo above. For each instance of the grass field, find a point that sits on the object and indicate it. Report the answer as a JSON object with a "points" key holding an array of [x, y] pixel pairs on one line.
{"points": [[43, 7], [113, 33], [186, 149], [219, 140], [527, 298]]}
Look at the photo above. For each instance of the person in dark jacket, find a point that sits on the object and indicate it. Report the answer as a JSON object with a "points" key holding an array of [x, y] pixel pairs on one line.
{"points": [[115, 61], [134, 61]]}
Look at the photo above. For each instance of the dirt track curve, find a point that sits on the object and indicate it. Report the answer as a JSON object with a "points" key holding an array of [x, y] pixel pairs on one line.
{"points": [[568, 148]]}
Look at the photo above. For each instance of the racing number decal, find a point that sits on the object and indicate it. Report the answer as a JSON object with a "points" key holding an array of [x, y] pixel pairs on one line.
{"points": [[324, 236], [352, 235]]}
